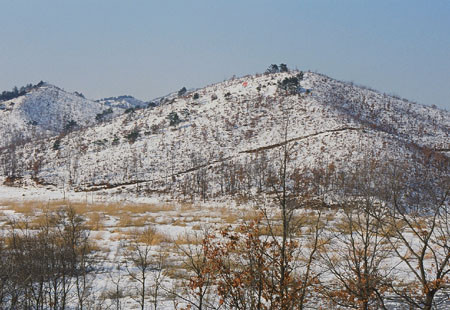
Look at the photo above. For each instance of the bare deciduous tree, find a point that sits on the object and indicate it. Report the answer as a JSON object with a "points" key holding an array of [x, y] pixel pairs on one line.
{"points": [[418, 203], [196, 290], [145, 266]]}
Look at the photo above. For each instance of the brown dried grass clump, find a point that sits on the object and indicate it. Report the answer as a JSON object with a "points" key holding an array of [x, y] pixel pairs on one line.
{"points": [[148, 235], [152, 237], [95, 221], [25, 208], [230, 218], [191, 239], [196, 227], [179, 222], [250, 215], [272, 230], [187, 206], [125, 220]]}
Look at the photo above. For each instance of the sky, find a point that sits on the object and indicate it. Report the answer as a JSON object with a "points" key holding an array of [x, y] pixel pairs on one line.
{"points": [[150, 48]]}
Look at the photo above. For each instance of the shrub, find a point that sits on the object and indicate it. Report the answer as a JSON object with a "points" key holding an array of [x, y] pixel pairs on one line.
{"points": [[289, 84], [132, 136], [70, 126], [185, 113], [100, 142], [57, 145], [152, 104], [196, 96], [213, 97], [182, 91], [79, 94], [102, 116], [174, 119], [155, 129]]}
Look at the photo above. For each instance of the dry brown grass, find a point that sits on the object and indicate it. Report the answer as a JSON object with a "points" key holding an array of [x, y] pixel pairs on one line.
{"points": [[190, 219], [93, 246], [142, 220], [149, 236], [392, 227], [345, 227], [38, 221], [273, 230], [117, 236], [179, 273], [230, 218], [191, 239], [26, 208], [179, 222], [113, 209], [95, 221], [116, 209], [125, 220], [196, 218], [150, 208], [188, 207], [310, 219], [196, 227], [97, 236], [139, 220], [330, 217], [248, 216], [164, 221]]}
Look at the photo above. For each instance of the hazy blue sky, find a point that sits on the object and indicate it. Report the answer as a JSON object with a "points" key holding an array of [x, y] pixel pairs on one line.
{"points": [[149, 48]]}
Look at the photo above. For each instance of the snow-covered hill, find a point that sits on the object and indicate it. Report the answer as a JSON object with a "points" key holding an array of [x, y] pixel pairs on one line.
{"points": [[124, 102], [45, 111], [225, 137]]}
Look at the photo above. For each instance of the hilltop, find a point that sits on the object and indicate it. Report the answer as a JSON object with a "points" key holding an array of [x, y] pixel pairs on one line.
{"points": [[44, 110]]}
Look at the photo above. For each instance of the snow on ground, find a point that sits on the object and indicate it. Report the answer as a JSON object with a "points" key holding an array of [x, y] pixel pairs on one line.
{"points": [[173, 221]]}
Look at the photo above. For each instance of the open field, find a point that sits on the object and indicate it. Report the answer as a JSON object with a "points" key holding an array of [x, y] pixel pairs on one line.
{"points": [[173, 236]]}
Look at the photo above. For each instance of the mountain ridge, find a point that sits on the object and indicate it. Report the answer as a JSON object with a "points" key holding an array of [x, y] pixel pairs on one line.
{"points": [[208, 135]]}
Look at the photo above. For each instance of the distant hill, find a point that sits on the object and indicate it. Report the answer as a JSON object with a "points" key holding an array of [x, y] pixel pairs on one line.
{"points": [[124, 102], [45, 110]]}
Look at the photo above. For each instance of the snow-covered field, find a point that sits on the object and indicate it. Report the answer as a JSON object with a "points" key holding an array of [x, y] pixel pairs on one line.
{"points": [[114, 223]]}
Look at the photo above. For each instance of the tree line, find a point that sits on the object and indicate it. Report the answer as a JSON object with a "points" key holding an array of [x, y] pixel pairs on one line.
{"points": [[17, 92]]}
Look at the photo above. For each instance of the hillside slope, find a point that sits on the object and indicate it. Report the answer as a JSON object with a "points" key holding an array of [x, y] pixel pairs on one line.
{"points": [[226, 137]]}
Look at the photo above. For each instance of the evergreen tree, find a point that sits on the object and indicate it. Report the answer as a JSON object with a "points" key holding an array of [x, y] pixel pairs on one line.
{"points": [[174, 119], [284, 68], [182, 91], [273, 68]]}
